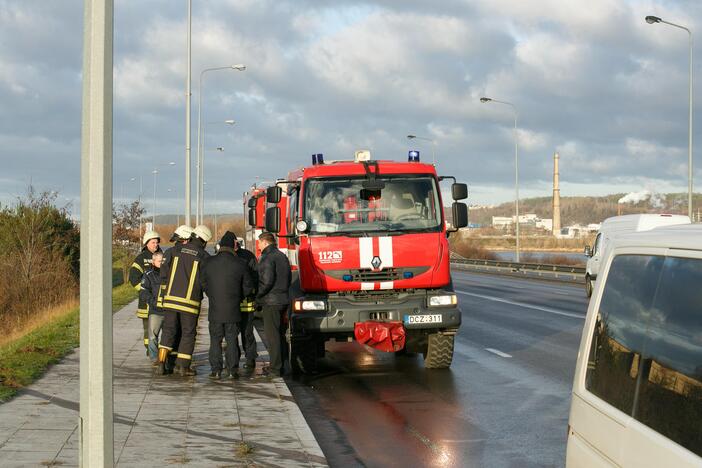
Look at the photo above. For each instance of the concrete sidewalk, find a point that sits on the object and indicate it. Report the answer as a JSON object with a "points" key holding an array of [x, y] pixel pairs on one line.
{"points": [[161, 421]]}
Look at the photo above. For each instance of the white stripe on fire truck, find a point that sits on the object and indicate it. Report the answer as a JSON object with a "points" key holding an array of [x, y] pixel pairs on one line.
{"points": [[386, 284], [367, 286], [385, 252], [365, 252]]}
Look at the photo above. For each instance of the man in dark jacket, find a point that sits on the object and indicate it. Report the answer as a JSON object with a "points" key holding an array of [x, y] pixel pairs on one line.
{"points": [[150, 245], [273, 297], [149, 293], [246, 328], [226, 281]]}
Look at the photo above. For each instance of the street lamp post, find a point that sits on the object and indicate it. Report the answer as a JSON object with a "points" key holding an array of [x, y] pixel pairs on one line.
{"points": [[188, 95], [433, 145], [175, 194], [201, 172], [155, 172], [516, 168], [238, 67], [654, 20], [141, 191]]}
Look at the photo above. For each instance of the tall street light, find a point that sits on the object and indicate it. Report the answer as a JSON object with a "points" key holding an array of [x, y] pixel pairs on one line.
{"points": [[201, 172], [654, 20], [175, 194], [238, 67], [516, 168], [202, 195], [141, 191], [433, 145], [188, 95]]}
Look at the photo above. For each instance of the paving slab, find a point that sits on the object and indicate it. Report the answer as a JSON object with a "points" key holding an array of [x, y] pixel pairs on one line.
{"points": [[161, 420]]}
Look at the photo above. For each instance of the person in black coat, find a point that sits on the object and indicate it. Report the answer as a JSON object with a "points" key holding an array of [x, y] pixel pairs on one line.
{"points": [[149, 293], [226, 281], [274, 297]]}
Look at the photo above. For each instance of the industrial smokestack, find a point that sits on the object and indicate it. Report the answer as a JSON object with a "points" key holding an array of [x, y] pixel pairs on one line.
{"points": [[556, 197]]}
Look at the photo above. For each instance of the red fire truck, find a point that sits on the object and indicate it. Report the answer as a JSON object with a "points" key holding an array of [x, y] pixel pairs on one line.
{"points": [[369, 240]]}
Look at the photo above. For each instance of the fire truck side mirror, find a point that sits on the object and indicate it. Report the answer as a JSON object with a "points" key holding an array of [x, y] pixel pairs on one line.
{"points": [[274, 194], [251, 203], [460, 215], [252, 217], [273, 219], [459, 191]]}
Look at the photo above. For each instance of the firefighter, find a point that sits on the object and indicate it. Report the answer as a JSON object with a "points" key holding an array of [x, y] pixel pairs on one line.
{"points": [[226, 280], [274, 297], [180, 236], [248, 307], [181, 301], [142, 262]]}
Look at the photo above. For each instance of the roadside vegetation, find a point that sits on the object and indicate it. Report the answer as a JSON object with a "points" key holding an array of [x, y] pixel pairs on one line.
{"points": [[39, 283]]}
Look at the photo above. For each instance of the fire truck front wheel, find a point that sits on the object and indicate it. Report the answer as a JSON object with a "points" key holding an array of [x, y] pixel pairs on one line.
{"points": [[439, 351], [302, 353]]}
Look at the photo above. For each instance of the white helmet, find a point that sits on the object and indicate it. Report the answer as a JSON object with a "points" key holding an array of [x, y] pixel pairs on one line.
{"points": [[203, 232], [183, 232], [148, 235]]}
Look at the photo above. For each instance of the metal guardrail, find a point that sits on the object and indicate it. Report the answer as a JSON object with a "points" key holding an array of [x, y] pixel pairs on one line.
{"points": [[533, 270]]}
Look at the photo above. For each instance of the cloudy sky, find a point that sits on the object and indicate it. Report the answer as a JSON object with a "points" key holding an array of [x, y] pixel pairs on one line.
{"points": [[590, 79]]}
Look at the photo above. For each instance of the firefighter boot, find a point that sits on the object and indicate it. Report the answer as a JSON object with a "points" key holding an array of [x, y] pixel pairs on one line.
{"points": [[162, 356], [185, 371]]}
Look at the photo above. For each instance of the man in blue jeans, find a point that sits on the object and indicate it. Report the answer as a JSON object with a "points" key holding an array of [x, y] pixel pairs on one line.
{"points": [[148, 294]]}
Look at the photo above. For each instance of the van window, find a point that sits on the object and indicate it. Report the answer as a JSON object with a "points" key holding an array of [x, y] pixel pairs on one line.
{"points": [[598, 244], [646, 353]]}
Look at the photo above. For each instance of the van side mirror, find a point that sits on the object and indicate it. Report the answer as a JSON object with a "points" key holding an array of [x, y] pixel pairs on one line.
{"points": [[460, 215], [588, 251], [274, 194], [252, 217], [273, 220], [459, 191]]}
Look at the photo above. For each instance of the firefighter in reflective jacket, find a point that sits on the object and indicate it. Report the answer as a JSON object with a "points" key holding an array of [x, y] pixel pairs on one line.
{"points": [[181, 301], [180, 236], [142, 262]]}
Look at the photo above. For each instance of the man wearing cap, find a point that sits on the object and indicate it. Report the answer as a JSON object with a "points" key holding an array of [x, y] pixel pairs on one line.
{"points": [[181, 301], [142, 262], [226, 281]]}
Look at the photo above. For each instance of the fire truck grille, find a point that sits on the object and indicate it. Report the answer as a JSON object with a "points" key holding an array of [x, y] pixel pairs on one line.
{"points": [[368, 276]]}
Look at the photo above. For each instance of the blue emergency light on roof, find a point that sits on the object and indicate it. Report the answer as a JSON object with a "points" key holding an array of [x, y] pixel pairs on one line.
{"points": [[317, 159], [413, 156]]}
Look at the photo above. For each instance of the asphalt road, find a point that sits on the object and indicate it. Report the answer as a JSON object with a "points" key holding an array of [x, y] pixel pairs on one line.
{"points": [[503, 403]]}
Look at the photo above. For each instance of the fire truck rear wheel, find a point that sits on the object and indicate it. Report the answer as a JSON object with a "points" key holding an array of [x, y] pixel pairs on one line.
{"points": [[439, 352], [303, 355]]}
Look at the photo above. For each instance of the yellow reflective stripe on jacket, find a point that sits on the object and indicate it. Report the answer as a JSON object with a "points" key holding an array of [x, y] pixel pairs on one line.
{"points": [[247, 306], [142, 313], [137, 266], [138, 287], [193, 274], [181, 300], [181, 308], [173, 270], [184, 356]]}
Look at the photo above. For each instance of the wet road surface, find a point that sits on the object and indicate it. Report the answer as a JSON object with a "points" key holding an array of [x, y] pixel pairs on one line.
{"points": [[504, 402]]}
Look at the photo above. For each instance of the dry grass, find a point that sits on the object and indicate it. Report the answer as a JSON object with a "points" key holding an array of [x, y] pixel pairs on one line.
{"points": [[551, 259], [468, 248], [12, 331]]}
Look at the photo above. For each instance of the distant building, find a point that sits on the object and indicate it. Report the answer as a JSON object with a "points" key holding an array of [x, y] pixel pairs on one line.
{"points": [[502, 222], [545, 224]]}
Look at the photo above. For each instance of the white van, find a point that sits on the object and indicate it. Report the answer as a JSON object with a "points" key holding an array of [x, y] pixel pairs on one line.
{"points": [[637, 390], [617, 226]]}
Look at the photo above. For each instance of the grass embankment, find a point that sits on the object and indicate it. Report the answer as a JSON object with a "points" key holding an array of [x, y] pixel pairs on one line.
{"points": [[25, 355]]}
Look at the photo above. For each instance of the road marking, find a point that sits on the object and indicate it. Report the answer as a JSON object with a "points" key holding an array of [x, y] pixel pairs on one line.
{"points": [[498, 352], [526, 306]]}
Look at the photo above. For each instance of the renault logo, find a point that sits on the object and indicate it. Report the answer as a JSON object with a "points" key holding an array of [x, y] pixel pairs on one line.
{"points": [[376, 262]]}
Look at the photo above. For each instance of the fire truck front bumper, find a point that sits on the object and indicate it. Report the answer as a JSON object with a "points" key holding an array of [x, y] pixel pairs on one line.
{"points": [[338, 313]]}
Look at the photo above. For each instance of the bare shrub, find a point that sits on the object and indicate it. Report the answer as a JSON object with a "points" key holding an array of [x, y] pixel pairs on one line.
{"points": [[468, 248]]}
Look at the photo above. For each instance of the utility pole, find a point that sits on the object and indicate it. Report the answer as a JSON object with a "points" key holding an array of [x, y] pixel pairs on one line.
{"points": [[96, 404], [187, 117]]}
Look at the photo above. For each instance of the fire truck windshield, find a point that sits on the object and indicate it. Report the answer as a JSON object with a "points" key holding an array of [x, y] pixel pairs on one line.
{"points": [[406, 203]]}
